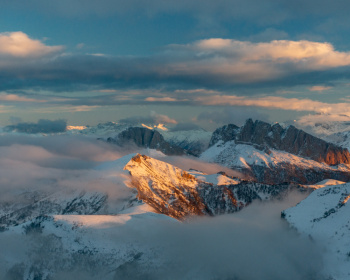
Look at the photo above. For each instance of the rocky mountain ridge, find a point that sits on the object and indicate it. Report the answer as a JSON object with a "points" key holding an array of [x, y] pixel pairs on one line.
{"points": [[178, 194], [272, 166], [74, 232], [146, 138], [289, 139]]}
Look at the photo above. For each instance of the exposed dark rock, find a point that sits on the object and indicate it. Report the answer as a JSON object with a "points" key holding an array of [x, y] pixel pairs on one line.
{"points": [[225, 133], [184, 195], [79, 203], [146, 138], [287, 172], [290, 139]]}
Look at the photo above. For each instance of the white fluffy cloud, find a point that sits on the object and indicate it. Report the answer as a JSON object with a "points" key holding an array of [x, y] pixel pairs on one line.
{"points": [[18, 44], [246, 62]]}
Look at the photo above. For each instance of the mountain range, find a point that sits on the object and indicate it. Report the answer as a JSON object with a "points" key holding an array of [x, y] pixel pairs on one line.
{"points": [[91, 230]]}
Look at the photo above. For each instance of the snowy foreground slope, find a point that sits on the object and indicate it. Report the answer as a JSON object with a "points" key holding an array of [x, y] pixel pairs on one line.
{"points": [[325, 216], [54, 246]]}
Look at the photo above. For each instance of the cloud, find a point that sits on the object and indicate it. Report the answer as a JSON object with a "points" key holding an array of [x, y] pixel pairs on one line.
{"points": [[204, 248], [225, 247], [204, 66], [323, 125], [160, 99], [5, 109], [319, 88], [232, 115], [152, 119], [56, 163], [275, 102], [246, 62], [185, 127], [18, 44], [16, 98], [42, 126], [82, 148]]}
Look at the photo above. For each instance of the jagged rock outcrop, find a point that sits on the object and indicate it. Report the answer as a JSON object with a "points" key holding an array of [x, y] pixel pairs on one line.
{"points": [[293, 173], [225, 133], [178, 194], [290, 139], [146, 138]]}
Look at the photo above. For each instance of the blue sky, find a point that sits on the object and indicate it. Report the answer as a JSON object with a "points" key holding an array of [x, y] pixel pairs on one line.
{"points": [[206, 62]]}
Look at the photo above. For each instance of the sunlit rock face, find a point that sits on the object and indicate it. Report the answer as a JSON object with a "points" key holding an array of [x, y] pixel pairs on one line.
{"points": [[178, 194], [272, 154], [290, 139]]}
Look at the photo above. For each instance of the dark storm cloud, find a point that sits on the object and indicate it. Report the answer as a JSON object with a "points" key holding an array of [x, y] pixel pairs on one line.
{"points": [[42, 126]]}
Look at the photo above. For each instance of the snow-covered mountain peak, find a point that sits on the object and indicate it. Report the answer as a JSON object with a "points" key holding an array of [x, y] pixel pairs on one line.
{"points": [[165, 174]]}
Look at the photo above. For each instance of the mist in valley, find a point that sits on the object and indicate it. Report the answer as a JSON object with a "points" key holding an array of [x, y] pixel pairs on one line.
{"points": [[255, 243]]}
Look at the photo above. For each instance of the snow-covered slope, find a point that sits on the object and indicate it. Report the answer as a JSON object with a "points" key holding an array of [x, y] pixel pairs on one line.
{"points": [[325, 216], [194, 141], [340, 138], [95, 246], [62, 202], [179, 194], [272, 166], [323, 125], [329, 127], [108, 129]]}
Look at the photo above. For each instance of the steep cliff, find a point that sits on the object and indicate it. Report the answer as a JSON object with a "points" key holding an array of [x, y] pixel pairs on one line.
{"points": [[179, 194], [290, 139], [146, 138]]}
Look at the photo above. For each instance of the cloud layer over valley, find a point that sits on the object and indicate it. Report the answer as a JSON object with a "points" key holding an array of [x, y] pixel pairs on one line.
{"points": [[206, 248]]}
